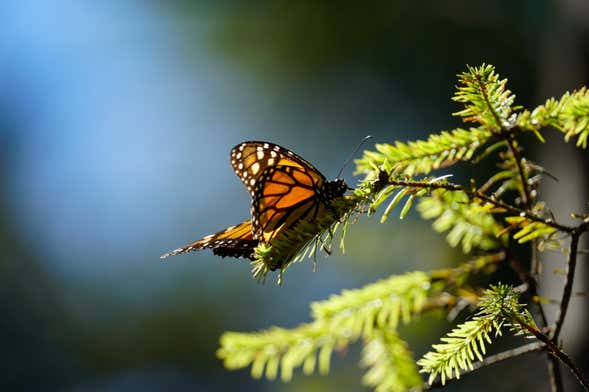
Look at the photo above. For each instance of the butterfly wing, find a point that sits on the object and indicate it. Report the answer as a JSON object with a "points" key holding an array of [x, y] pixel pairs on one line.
{"points": [[282, 185], [250, 159], [285, 189], [235, 241], [283, 196]]}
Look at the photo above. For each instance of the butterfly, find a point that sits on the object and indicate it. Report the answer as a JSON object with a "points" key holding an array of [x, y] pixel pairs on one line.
{"points": [[285, 190]]}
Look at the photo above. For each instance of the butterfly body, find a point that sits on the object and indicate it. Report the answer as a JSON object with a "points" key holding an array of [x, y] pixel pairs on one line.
{"points": [[285, 190]]}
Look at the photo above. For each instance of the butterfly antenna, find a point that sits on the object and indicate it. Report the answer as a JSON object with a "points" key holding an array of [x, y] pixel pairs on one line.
{"points": [[352, 155]]}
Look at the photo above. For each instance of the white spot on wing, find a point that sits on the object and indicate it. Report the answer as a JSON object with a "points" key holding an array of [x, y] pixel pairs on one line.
{"points": [[255, 168], [260, 154]]}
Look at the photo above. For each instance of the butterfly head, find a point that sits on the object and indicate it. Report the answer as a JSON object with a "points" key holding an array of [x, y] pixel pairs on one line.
{"points": [[335, 188]]}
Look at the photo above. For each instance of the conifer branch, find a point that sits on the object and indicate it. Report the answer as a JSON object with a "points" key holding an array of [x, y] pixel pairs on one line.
{"points": [[338, 321], [459, 348], [569, 114], [478, 219], [529, 230], [555, 350], [498, 101], [368, 313], [476, 194], [468, 222], [423, 156], [381, 304], [390, 364], [276, 348], [493, 359], [485, 97], [498, 307]]}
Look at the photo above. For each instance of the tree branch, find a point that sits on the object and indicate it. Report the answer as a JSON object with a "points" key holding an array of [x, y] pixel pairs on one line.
{"points": [[525, 193], [503, 130], [568, 285], [493, 359], [480, 195], [555, 374], [557, 352], [483, 89]]}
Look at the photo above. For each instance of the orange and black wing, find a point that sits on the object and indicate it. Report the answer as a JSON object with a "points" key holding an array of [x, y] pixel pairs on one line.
{"points": [[284, 196], [284, 189], [251, 159], [235, 241]]}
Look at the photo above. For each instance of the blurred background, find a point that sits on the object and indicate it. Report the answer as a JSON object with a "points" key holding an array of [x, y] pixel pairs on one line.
{"points": [[116, 122]]}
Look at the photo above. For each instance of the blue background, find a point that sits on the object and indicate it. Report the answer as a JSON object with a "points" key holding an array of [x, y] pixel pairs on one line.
{"points": [[116, 121]]}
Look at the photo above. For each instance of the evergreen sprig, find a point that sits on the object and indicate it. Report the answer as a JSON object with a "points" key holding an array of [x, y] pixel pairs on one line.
{"points": [[486, 99], [377, 305], [401, 189], [390, 365], [338, 321], [468, 222], [279, 348], [423, 156], [467, 342], [527, 230], [372, 313], [569, 114]]}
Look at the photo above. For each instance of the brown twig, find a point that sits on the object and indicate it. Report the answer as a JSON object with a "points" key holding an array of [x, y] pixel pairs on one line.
{"points": [[525, 193], [485, 95], [555, 374], [557, 352], [568, 285], [477, 194]]}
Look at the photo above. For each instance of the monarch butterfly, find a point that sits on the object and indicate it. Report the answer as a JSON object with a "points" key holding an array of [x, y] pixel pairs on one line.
{"points": [[285, 189]]}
